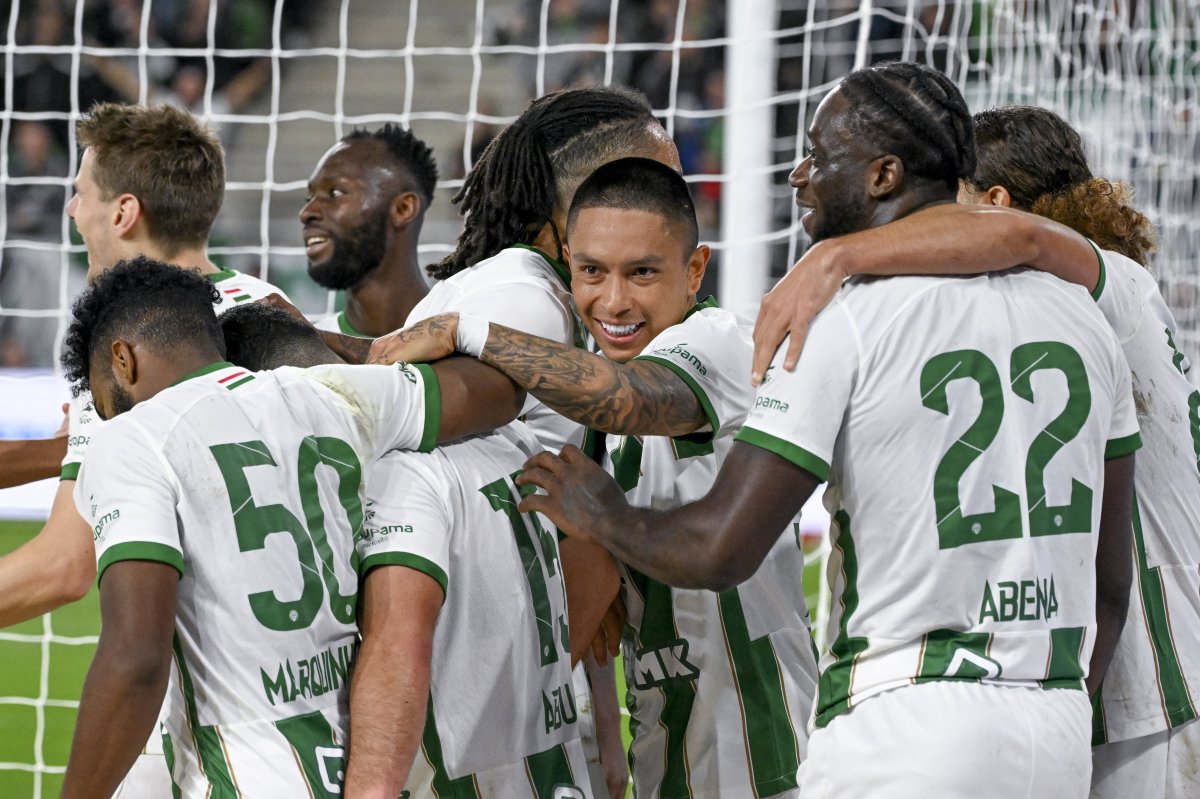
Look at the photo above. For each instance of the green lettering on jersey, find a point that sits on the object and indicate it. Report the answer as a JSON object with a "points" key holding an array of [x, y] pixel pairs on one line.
{"points": [[321, 758]]}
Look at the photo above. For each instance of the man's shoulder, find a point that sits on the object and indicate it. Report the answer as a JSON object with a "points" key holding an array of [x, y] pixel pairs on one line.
{"points": [[237, 287], [509, 265]]}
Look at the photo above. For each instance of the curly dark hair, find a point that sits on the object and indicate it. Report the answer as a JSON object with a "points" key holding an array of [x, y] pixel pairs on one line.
{"points": [[526, 172], [1039, 159], [916, 113], [262, 337], [143, 300], [412, 154]]}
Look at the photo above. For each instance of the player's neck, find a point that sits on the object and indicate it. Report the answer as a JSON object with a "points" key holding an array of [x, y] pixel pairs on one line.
{"points": [[909, 203], [188, 257], [382, 301], [163, 370]]}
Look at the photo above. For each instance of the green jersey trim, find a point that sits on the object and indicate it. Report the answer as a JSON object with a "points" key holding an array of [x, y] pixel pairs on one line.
{"points": [[1065, 669], [306, 734], [209, 747], [205, 370], [70, 471], [548, 771], [701, 396], [835, 681], [560, 269], [223, 274], [786, 450], [350, 330], [708, 302], [423, 565], [433, 407], [443, 787], [1120, 447], [140, 550], [1099, 290], [169, 754]]}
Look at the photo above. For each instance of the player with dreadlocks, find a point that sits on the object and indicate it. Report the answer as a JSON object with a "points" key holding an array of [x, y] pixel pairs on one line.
{"points": [[965, 616]]}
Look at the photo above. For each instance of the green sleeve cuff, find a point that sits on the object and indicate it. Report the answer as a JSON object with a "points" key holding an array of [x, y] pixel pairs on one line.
{"points": [[433, 407], [701, 396], [1099, 290], [1120, 447], [70, 471], [786, 450], [140, 550], [423, 565]]}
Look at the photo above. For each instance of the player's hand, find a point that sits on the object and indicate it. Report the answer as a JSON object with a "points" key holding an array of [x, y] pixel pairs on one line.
{"points": [[61, 432], [607, 641], [428, 340], [789, 308], [580, 497], [277, 301]]}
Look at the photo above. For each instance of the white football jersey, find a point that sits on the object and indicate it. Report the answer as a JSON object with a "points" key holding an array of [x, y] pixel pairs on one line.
{"points": [[1153, 682], [502, 715], [963, 425], [250, 484], [525, 289], [337, 323], [719, 685], [82, 420]]}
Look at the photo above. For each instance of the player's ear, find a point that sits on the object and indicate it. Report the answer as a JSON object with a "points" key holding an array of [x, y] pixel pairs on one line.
{"points": [[124, 363], [884, 175], [405, 208], [128, 213], [696, 265], [998, 195]]}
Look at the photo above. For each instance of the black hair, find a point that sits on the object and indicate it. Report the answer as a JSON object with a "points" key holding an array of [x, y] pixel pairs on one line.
{"points": [[916, 113], [640, 184], [513, 189], [259, 337], [408, 151], [1039, 160], [144, 300]]}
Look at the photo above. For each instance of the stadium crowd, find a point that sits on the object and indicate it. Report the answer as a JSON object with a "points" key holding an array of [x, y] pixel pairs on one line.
{"points": [[393, 554]]}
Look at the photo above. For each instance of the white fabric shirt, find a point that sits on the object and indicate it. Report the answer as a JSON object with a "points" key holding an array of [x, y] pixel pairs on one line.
{"points": [[250, 484], [963, 424]]}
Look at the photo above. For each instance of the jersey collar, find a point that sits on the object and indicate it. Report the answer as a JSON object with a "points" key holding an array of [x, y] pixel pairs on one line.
{"points": [[345, 327], [205, 370], [560, 269], [708, 302], [224, 274]]}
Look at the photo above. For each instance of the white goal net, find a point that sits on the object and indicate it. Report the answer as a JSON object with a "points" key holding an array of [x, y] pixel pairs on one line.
{"points": [[735, 83]]}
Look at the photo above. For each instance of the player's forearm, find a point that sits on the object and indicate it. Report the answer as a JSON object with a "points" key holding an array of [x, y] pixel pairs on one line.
{"points": [[23, 462], [388, 700], [121, 700], [592, 583], [634, 398], [351, 349], [55, 567], [964, 239], [1114, 565]]}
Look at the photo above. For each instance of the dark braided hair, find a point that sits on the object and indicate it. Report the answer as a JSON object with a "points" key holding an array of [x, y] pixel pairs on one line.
{"points": [[412, 154], [1039, 159], [145, 300], [514, 188], [916, 113]]}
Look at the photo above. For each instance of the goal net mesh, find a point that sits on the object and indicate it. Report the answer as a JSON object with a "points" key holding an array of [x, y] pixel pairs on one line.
{"points": [[281, 80]]}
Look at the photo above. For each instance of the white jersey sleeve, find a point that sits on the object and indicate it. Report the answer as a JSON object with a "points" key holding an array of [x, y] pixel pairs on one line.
{"points": [[82, 423], [707, 350], [399, 405], [129, 498], [797, 415]]}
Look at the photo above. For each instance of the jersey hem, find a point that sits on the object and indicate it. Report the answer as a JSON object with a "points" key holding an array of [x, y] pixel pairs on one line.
{"points": [[1120, 447], [433, 408], [140, 550], [787, 450], [408, 559]]}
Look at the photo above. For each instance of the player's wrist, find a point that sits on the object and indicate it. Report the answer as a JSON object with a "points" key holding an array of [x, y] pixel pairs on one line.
{"points": [[471, 334]]}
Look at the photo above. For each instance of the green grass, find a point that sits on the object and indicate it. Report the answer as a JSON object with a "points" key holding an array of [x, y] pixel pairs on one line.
{"points": [[20, 676]]}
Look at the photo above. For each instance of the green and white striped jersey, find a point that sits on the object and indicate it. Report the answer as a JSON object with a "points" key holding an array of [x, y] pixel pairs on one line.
{"points": [[250, 484], [502, 716], [82, 421], [1153, 682], [963, 425], [720, 685]]}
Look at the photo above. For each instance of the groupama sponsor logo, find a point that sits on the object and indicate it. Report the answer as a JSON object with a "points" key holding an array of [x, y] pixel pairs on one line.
{"points": [[681, 351]]}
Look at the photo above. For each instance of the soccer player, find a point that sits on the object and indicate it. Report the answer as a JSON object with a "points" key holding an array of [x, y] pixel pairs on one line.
{"points": [[977, 436], [508, 269], [719, 685], [367, 198], [1145, 732], [463, 612], [224, 505], [150, 182]]}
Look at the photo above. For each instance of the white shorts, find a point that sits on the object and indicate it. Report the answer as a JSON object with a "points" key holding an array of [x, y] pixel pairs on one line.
{"points": [[1164, 764], [951, 739]]}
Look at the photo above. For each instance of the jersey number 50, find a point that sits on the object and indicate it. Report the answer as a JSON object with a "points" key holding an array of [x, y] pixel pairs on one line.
{"points": [[255, 523]]}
